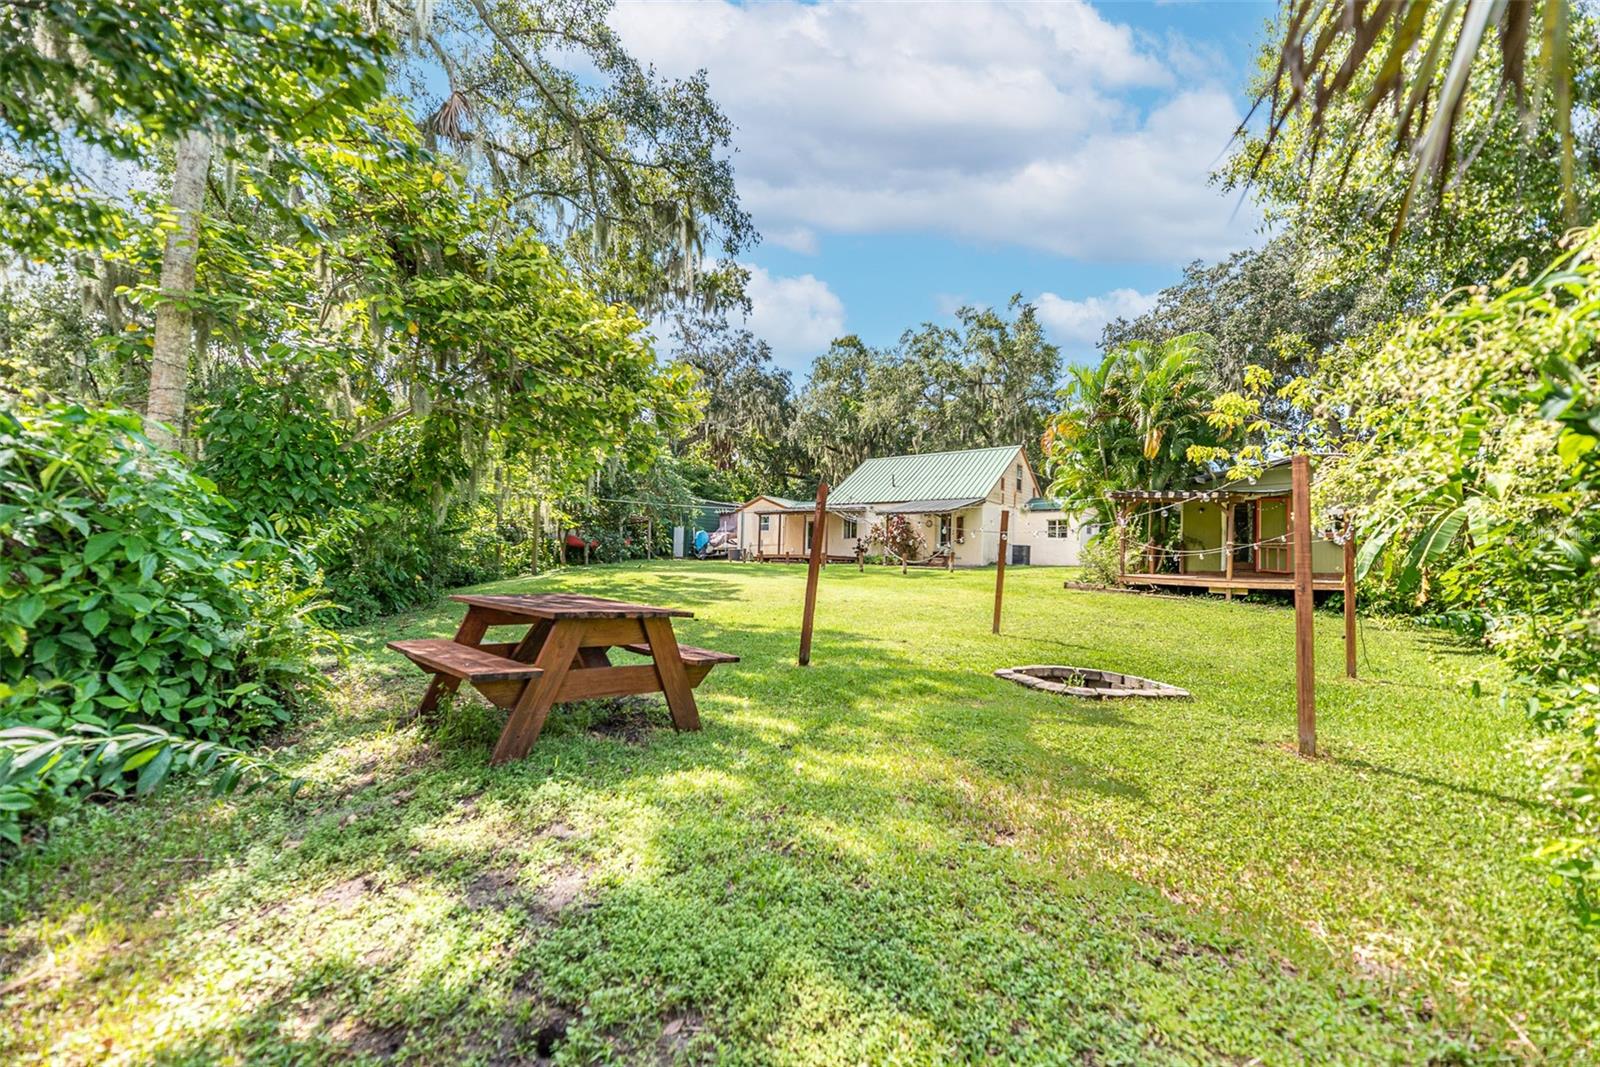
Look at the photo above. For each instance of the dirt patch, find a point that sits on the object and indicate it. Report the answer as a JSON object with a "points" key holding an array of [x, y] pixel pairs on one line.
{"points": [[345, 895], [503, 887], [630, 720], [494, 888], [365, 1039]]}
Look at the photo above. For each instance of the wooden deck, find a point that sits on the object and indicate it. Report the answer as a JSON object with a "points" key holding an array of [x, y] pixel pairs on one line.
{"points": [[1241, 582]]}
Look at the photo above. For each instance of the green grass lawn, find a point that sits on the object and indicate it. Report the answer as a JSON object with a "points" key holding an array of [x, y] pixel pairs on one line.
{"points": [[890, 856]]}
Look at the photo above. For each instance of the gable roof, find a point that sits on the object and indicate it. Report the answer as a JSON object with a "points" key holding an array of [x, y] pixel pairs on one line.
{"points": [[970, 473]]}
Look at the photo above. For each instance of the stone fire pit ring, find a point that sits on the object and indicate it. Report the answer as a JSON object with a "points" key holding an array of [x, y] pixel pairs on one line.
{"points": [[1088, 682]]}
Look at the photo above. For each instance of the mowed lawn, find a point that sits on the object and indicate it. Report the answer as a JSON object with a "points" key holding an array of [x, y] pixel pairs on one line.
{"points": [[888, 857]]}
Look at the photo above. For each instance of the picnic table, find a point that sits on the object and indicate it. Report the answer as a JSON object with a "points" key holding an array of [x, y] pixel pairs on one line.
{"points": [[563, 656]]}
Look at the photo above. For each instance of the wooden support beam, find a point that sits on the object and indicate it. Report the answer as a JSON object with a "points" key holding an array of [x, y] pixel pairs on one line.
{"points": [[811, 579], [1000, 567], [1122, 541], [1304, 661], [1227, 543], [1350, 601]]}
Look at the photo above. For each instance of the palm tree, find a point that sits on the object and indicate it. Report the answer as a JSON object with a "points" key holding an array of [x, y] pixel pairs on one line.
{"points": [[1417, 56], [1129, 422]]}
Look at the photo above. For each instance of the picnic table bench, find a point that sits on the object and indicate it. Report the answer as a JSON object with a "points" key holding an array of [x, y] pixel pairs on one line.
{"points": [[563, 656]]}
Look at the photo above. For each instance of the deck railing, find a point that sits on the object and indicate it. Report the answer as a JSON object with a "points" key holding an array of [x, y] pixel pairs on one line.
{"points": [[1274, 554]]}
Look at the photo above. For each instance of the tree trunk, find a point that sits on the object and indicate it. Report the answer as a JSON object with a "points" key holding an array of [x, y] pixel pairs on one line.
{"points": [[169, 361]]}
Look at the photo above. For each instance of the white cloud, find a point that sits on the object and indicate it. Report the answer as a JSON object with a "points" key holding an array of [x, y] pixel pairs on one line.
{"points": [[797, 315], [1042, 125], [1077, 323], [800, 239]]}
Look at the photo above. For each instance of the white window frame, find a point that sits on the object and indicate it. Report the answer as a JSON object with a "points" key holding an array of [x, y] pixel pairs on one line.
{"points": [[1019, 477], [850, 529], [766, 523], [1060, 529]]}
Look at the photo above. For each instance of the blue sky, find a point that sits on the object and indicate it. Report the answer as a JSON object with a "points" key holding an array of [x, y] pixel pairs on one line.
{"points": [[903, 158]]}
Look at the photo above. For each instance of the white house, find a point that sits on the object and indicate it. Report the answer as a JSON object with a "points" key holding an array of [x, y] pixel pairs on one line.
{"points": [[955, 498]]}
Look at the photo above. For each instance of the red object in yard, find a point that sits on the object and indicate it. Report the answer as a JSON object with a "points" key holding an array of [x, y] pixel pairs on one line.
{"points": [[574, 541]]}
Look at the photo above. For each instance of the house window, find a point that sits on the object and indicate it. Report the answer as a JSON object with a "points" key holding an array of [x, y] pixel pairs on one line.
{"points": [[1019, 477], [1058, 528], [766, 523], [944, 530], [849, 529], [961, 529]]}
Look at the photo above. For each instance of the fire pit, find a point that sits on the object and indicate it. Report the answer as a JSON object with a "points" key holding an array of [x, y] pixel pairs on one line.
{"points": [[1087, 682]]}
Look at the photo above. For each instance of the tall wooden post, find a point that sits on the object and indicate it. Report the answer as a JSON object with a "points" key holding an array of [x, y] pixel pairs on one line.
{"points": [[1350, 601], [1304, 662], [811, 578], [1000, 568], [1227, 544], [861, 556], [1122, 541]]}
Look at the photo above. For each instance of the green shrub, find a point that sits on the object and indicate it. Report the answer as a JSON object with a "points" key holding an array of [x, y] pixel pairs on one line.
{"points": [[123, 602], [1099, 558]]}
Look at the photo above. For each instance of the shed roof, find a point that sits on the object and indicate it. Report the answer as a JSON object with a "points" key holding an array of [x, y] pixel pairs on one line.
{"points": [[1042, 503], [969, 473]]}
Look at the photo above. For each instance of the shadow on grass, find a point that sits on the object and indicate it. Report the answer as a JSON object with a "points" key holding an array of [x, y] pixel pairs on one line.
{"points": [[1439, 783]]}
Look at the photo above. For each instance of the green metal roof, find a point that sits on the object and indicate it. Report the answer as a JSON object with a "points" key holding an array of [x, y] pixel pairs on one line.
{"points": [[933, 475], [1042, 503]]}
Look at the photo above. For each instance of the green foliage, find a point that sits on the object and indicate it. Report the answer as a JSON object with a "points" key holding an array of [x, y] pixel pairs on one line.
{"points": [[1409, 79], [1338, 173], [38, 766], [626, 171], [1130, 422], [123, 600], [1473, 461], [126, 76], [282, 461]]}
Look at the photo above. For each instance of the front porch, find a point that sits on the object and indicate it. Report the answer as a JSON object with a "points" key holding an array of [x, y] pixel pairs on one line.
{"points": [[1228, 541]]}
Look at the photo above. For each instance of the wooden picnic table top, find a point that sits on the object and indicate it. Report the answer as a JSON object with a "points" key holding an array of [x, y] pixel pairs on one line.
{"points": [[568, 606]]}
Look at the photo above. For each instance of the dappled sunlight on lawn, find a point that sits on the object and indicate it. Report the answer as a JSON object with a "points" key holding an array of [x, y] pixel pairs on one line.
{"points": [[890, 853]]}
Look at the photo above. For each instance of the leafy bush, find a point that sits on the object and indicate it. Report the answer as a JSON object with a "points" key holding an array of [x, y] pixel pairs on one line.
{"points": [[280, 459], [1099, 558], [1473, 462], [123, 602]]}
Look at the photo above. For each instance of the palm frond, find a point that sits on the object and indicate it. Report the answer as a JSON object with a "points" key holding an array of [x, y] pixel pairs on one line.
{"points": [[1418, 56]]}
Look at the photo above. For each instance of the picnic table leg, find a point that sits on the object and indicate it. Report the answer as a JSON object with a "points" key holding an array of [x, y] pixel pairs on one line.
{"points": [[669, 670], [533, 707], [470, 632]]}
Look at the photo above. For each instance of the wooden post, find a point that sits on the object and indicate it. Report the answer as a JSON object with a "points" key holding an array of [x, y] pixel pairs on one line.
{"points": [[1000, 568], [861, 556], [1227, 544], [811, 578], [585, 550], [1304, 662], [561, 541], [1350, 600], [822, 520], [1122, 542], [650, 537]]}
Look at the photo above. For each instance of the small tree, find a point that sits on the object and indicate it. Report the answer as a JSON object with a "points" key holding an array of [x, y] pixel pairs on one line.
{"points": [[899, 535]]}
